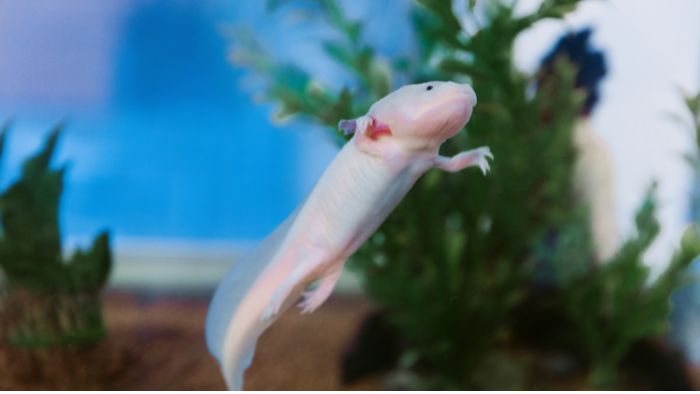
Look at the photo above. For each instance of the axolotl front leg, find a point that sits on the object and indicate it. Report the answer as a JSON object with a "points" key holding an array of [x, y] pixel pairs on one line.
{"points": [[474, 157]]}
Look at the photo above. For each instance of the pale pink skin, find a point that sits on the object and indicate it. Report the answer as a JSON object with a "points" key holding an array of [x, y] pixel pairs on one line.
{"points": [[359, 189]]}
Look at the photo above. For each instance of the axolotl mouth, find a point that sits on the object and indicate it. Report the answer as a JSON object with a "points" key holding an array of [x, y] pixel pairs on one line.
{"points": [[469, 91], [457, 109]]}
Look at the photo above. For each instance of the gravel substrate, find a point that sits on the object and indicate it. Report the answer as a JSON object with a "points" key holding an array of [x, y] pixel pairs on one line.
{"points": [[157, 343]]}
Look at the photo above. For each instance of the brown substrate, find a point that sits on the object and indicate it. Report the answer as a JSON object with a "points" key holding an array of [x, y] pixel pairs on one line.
{"points": [[159, 344]]}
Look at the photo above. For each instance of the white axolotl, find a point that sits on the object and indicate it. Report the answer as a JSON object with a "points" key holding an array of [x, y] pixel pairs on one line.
{"points": [[394, 144]]}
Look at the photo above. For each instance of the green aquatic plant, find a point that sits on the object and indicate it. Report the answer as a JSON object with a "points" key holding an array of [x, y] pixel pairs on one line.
{"points": [[461, 265], [613, 305], [47, 299], [691, 122], [686, 313]]}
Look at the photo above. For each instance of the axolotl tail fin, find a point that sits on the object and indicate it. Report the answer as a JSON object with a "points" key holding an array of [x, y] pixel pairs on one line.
{"points": [[234, 377], [231, 342]]}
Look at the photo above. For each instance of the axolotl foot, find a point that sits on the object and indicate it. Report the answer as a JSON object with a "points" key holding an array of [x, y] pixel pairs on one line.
{"points": [[315, 298], [311, 300], [480, 157]]}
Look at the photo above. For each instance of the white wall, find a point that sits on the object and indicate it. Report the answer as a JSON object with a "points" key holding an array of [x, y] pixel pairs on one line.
{"points": [[653, 49]]}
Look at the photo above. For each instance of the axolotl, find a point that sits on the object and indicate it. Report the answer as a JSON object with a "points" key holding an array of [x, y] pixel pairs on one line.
{"points": [[392, 146]]}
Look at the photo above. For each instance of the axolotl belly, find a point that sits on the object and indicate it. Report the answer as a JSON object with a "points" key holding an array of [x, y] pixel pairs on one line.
{"points": [[394, 144]]}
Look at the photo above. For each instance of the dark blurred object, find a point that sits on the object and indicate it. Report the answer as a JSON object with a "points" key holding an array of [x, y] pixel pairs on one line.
{"points": [[589, 62], [46, 300], [543, 333], [375, 349], [593, 173], [649, 364], [660, 366]]}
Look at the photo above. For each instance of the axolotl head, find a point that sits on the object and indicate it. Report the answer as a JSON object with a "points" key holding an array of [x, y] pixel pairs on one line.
{"points": [[417, 117]]}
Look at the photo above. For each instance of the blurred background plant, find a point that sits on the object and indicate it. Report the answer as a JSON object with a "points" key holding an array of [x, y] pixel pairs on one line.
{"points": [[686, 302], [487, 282], [47, 300]]}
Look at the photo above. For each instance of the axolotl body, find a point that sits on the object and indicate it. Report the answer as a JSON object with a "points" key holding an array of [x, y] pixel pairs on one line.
{"points": [[393, 145]]}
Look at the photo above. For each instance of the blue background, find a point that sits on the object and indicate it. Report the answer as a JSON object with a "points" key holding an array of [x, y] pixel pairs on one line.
{"points": [[163, 134], [162, 139]]}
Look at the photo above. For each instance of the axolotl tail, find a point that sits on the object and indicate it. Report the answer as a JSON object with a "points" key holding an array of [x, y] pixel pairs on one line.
{"points": [[233, 321], [232, 337], [239, 350]]}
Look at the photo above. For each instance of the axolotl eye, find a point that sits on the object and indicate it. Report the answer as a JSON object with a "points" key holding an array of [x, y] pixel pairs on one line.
{"points": [[429, 87]]}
